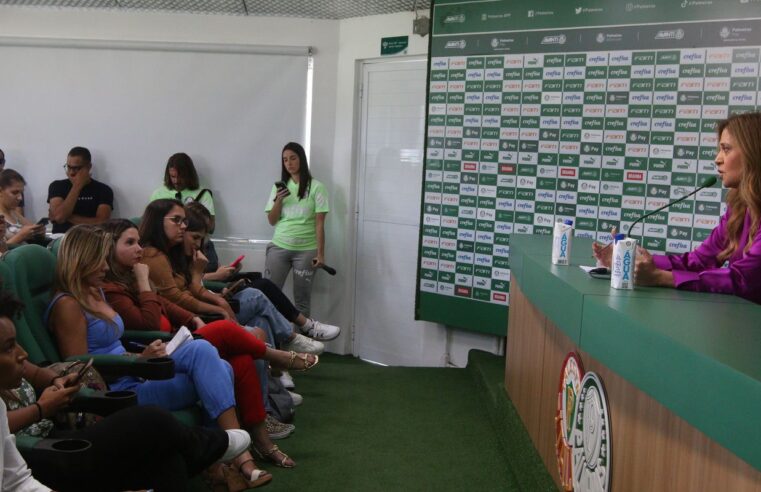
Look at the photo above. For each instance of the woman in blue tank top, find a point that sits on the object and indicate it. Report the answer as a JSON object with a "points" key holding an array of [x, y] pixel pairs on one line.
{"points": [[83, 322]]}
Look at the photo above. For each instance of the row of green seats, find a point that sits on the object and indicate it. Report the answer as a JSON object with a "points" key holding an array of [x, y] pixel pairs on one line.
{"points": [[29, 271]]}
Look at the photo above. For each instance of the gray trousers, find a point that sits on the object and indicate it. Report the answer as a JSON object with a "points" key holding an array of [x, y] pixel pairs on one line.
{"points": [[279, 262]]}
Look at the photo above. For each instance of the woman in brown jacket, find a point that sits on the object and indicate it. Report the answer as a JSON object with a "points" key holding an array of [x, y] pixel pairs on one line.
{"points": [[129, 292]]}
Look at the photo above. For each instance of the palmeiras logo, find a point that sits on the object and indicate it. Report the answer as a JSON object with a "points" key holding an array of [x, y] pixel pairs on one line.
{"points": [[569, 389], [590, 438]]}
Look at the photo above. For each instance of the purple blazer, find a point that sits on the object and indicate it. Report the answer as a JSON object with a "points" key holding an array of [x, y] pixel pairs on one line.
{"points": [[700, 271]]}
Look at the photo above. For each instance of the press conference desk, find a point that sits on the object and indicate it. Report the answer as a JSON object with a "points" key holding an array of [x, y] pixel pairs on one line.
{"points": [[682, 371]]}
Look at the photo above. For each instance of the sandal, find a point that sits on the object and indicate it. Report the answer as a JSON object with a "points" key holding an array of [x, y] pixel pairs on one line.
{"points": [[271, 456], [215, 478], [305, 358], [238, 481]]}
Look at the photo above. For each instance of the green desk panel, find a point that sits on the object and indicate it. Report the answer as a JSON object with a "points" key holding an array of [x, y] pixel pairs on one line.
{"points": [[539, 249], [459, 312], [700, 359], [698, 354], [562, 303]]}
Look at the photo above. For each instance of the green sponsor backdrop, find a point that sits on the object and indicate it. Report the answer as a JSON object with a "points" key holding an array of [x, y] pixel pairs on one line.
{"points": [[597, 111]]}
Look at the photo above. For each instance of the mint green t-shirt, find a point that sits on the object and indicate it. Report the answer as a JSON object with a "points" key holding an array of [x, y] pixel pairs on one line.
{"points": [[186, 196], [295, 230]]}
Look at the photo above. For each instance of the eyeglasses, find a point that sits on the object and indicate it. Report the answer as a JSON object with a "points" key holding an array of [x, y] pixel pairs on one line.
{"points": [[177, 219], [73, 169]]}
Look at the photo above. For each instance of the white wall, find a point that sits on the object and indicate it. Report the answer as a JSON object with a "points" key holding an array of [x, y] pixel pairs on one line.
{"points": [[338, 48], [360, 40], [140, 26]]}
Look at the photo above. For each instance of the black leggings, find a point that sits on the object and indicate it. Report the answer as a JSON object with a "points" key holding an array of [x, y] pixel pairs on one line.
{"points": [[140, 447], [277, 298]]}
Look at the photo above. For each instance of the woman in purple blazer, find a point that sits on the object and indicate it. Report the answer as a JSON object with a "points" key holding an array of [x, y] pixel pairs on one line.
{"points": [[729, 261]]}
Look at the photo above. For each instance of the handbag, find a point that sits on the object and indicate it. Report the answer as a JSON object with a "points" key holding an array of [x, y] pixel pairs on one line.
{"points": [[91, 379]]}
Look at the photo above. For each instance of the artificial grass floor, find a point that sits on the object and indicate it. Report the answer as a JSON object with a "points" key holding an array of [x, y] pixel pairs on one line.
{"points": [[364, 427]]}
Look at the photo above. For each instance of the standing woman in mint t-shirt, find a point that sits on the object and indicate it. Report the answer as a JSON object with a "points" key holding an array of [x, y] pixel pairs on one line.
{"points": [[298, 214]]}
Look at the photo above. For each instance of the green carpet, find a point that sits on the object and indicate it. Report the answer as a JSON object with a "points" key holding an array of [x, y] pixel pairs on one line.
{"points": [[364, 427]]}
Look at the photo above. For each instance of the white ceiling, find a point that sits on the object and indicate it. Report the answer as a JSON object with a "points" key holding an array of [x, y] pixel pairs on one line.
{"points": [[311, 9]]}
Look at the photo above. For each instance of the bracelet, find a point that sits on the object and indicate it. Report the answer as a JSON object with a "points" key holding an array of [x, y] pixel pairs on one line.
{"points": [[39, 410]]}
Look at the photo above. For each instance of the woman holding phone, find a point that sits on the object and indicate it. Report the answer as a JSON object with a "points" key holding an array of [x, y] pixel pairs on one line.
{"points": [[18, 230], [297, 207], [736, 241], [176, 269], [129, 292], [137, 447], [83, 322], [198, 215]]}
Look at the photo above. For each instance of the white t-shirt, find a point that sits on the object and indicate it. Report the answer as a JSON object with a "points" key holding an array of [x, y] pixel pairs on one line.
{"points": [[16, 475]]}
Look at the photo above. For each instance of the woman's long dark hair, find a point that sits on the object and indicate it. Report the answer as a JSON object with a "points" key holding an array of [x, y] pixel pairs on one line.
{"points": [[117, 273], [305, 178], [186, 171], [152, 234]]}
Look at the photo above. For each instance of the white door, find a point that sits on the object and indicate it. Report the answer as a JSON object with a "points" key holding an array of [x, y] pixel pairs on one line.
{"points": [[392, 133]]}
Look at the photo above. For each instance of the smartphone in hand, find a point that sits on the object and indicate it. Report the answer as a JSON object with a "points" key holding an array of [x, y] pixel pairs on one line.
{"points": [[233, 288], [43, 221], [237, 261], [280, 185], [81, 373]]}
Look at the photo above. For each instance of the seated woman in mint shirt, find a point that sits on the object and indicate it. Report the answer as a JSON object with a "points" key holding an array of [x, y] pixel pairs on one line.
{"points": [[736, 241], [84, 323], [182, 184]]}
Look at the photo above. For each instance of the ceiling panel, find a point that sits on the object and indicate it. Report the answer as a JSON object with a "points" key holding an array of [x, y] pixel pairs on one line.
{"points": [[62, 3], [231, 7], [314, 9]]}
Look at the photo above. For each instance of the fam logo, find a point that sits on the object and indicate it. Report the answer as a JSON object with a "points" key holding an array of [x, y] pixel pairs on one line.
{"points": [[668, 34], [556, 39], [457, 44], [454, 19]]}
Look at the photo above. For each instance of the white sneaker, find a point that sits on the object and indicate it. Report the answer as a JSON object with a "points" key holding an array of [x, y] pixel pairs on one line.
{"points": [[320, 331], [287, 381], [300, 343], [238, 441], [297, 398]]}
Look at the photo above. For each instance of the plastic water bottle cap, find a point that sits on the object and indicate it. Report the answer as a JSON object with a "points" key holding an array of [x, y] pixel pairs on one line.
{"points": [[620, 237], [568, 222]]}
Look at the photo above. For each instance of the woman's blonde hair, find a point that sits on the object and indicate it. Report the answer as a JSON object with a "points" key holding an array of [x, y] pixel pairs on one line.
{"points": [[82, 252], [746, 131]]}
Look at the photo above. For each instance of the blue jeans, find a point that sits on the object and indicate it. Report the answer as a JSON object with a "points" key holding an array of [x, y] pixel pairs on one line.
{"points": [[199, 375], [257, 310]]}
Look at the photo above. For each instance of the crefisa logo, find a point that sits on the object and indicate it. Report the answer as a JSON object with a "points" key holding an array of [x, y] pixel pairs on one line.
{"points": [[582, 425]]}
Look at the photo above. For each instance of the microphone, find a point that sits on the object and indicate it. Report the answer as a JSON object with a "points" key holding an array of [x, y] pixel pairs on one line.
{"points": [[707, 183], [328, 269]]}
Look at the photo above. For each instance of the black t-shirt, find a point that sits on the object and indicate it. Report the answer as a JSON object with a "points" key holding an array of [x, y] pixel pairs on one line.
{"points": [[93, 195]]}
